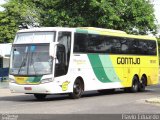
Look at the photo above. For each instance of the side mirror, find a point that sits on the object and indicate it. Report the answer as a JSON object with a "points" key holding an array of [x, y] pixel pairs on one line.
{"points": [[52, 49]]}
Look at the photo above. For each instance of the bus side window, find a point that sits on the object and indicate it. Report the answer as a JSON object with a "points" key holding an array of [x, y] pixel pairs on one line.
{"points": [[143, 47], [134, 47], [80, 43], [152, 48], [64, 38], [60, 68]]}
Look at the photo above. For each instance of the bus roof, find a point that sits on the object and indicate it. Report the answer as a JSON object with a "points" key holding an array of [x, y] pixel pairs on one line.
{"points": [[39, 29], [91, 30]]}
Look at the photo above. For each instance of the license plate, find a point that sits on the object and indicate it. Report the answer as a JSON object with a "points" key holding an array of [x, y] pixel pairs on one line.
{"points": [[27, 88]]}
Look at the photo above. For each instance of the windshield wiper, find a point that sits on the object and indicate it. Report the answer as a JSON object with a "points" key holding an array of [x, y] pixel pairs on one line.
{"points": [[33, 64], [23, 62]]}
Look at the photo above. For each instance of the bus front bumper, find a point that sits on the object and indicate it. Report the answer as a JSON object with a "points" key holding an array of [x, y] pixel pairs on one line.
{"points": [[46, 88]]}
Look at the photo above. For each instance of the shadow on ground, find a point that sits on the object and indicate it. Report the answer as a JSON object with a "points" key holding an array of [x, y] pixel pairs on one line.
{"points": [[31, 98]]}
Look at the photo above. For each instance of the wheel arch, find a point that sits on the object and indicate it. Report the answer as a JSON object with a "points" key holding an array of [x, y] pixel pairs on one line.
{"points": [[136, 75], [78, 88]]}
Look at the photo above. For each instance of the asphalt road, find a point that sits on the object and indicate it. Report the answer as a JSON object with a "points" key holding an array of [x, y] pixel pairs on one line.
{"points": [[118, 102]]}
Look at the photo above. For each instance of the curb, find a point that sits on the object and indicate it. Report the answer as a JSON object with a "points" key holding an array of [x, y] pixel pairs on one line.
{"points": [[153, 100]]}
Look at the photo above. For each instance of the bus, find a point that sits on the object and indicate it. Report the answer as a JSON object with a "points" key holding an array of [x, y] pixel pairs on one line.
{"points": [[60, 60]]}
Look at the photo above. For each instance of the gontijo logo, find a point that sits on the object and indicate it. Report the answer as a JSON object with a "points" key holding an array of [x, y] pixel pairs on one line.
{"points": [[128, 60]]}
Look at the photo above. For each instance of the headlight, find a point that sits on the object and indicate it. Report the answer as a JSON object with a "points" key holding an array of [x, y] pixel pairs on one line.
{"points": [[46, 80], [12, 80]]}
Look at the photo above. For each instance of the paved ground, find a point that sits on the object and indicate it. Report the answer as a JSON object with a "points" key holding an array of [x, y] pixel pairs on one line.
{"points": [[91, 103], [3, 85]]}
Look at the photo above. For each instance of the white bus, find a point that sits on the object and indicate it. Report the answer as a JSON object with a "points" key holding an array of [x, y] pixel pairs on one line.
{"points": [[57, 60]]}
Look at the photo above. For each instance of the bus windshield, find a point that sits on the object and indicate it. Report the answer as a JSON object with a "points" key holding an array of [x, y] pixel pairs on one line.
{"points": [[31, 60]]}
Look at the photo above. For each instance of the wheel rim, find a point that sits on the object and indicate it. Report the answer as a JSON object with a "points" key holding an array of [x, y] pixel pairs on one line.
{"points": [[135, 86], [77, 88]]}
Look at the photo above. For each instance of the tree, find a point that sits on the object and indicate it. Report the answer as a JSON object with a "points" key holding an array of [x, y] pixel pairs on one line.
{"points": [[16, 14], [132, 16]]}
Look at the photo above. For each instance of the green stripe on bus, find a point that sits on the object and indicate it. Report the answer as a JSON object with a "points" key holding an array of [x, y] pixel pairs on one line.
{"points": [[34, 79], [93, 32], [81, 31], [98, 68], [108, 68]]}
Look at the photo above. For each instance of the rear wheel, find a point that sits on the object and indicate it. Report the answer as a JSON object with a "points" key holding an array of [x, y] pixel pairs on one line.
{"points": [[40, 96], [135, 85], [143, 84], [78, 89]]}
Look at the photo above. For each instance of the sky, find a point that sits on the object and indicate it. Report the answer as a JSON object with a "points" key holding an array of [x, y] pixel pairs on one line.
{"points": [[156, 7], [1, 2], [157, 10]]}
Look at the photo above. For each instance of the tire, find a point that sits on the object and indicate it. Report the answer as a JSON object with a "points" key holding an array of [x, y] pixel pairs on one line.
{"points": [[143, 83], [40, 96], [135, 85], [105, 91], [78, 89]]}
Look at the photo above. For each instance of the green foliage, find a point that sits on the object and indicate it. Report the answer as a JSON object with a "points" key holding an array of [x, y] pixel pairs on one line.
{"points": [[132, 16], [16, 14]]}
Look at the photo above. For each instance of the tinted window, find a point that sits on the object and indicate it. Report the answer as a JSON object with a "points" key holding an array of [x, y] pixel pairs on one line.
{"points": [[152, 48], [96, 44], [92, 43], [133, 46], [80, 43]]}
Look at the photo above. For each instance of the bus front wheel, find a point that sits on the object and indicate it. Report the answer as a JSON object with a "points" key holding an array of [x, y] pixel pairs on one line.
{"points": [[40, 96], [78, 89]]}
